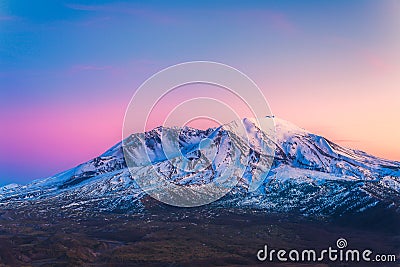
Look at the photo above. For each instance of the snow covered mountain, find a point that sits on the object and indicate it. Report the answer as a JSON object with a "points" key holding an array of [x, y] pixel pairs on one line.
{"points": [[309, 175]]}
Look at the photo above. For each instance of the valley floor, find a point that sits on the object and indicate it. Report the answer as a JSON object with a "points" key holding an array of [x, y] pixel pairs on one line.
{"points": [[170, 236]]}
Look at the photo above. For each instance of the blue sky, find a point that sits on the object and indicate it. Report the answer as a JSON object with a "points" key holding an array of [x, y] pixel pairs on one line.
{"points": [[69, 68]]}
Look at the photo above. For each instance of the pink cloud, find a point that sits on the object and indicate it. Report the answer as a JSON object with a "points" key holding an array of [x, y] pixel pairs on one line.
{"points": [[372, 58], [375, 61], [281, 22], [276, 20]]}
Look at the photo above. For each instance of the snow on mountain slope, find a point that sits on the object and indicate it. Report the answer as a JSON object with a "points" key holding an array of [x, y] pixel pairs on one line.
{"points": [[309, 174]]}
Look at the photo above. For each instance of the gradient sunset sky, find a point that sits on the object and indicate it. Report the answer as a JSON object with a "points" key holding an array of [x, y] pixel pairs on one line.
{"points": [[69, 68]]}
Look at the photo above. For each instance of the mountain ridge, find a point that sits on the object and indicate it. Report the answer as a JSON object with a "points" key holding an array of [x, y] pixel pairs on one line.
{"points": [[309, 174]]}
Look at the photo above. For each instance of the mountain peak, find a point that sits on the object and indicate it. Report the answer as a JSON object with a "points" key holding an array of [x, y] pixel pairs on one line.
{"points": [[309, 173]]}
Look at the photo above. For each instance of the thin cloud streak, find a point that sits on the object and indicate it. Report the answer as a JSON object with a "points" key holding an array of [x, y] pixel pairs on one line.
{"points": [[77, 68], [148, 14], [346, 141], [8, 18]]}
